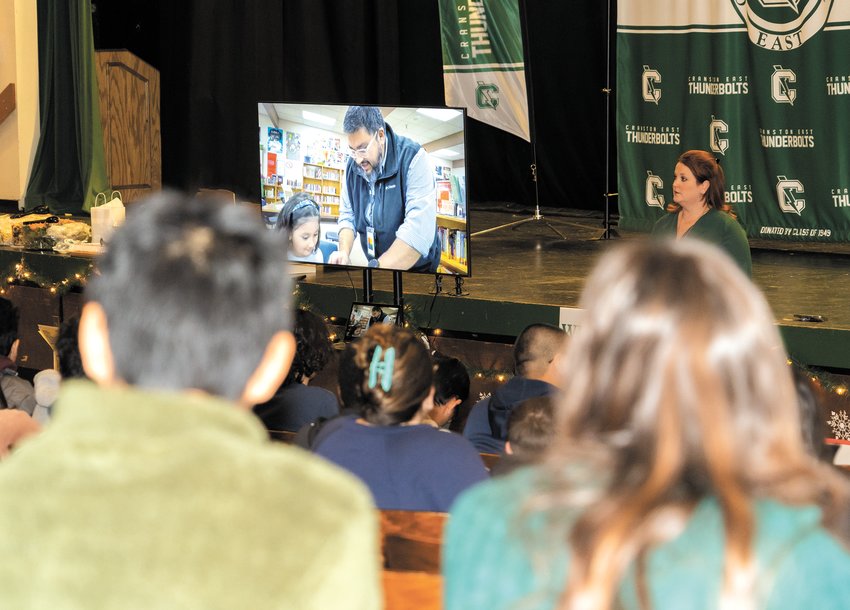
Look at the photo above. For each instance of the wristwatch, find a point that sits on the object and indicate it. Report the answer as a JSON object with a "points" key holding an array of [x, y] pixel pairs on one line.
{"points": [[374, 263]]}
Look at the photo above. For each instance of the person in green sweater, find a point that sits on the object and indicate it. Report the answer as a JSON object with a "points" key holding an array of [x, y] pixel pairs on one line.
{"points": [[155, 486], [678, 478], [699, 208]]}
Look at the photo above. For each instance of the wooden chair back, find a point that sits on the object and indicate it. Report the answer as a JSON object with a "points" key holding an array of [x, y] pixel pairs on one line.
{"points": [[406, 590], [490, 459], [411, 540], [284, 436]]}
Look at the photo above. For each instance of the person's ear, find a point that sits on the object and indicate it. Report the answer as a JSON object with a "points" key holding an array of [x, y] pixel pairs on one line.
{"points": [[93, 339], [271, 371], [703, 187], [13, 353], [428, 403]]}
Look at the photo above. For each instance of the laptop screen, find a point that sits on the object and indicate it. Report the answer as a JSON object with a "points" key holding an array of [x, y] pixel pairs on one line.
{"points": [[364, 315]]}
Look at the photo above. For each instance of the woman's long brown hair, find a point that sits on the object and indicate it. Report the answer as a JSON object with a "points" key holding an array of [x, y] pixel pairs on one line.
{"points": [[675, 388]]}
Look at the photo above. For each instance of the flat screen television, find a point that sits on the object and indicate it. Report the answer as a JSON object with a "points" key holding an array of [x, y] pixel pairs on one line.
{"points": [[355, 194]]}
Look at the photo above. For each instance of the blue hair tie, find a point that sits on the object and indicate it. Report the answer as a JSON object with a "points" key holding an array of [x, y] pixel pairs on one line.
{"points": [[383, 367]]}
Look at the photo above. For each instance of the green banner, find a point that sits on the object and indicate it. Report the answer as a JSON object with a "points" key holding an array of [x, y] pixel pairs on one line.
{"points": [[763, 84], [483, 65]]}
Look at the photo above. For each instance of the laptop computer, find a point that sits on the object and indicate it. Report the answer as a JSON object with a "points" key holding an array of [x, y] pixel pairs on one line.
{"points": [[364, 315]]}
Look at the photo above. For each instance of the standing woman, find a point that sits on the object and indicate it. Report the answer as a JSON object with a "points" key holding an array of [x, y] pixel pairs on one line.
{"points": [[699, 208], [678, 478]]}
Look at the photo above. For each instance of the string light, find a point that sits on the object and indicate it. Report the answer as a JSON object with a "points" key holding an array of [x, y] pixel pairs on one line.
{"points": [[21, 273], [823, 380]]}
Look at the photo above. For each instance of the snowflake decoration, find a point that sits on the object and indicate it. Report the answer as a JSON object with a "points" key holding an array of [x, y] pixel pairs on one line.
{"points": [[840, 424], [483, 395]]}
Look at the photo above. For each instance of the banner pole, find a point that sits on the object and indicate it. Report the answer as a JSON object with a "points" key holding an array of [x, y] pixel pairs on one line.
{"points": [[532, 129], [608, 232]]}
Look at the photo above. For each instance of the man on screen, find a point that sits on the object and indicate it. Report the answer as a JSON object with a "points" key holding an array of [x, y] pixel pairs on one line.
{"points": [[388, 199]]}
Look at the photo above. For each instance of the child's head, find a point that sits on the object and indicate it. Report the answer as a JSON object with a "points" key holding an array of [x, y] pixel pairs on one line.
{"points": [[389, 376], [313, 347], [451, 387], [8, 326], [300, 219], [68, 350], [531, 426]]}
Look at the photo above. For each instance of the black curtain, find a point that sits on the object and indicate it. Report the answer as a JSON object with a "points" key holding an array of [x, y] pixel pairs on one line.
{"points": [[217, 58]]}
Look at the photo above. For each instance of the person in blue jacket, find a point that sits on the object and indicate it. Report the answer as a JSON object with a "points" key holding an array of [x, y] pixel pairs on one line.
{"points": [[388, 200], [536, 355]]}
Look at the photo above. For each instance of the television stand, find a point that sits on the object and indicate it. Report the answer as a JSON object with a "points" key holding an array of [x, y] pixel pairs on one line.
{"points": [[398, 292]]}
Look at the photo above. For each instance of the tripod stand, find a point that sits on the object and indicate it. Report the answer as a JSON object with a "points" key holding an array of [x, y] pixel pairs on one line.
{"points": [[536, 217]]}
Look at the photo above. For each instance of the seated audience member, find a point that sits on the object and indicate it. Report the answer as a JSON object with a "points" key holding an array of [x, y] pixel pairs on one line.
{"points": [[536, 354], [451, 388], [156, 487], [47, 382], [406, 464], [68, 350], [678, 478], [296, 403], [348, 399], [15, 393], [531, 428], [15, 425]]}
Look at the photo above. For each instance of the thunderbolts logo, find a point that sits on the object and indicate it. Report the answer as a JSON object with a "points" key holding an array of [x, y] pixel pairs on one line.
{"points": [[780, 85], [487, 95], [782, 25], [789, 192], [654, 196], [650, 85], [716, 128]]}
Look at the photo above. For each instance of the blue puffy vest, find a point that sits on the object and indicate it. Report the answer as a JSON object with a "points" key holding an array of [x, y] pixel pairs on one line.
{"points": [[388, 212]]}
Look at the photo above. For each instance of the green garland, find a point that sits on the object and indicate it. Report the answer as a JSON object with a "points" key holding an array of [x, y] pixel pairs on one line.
{"points": [[827, 381], [21, 274]]}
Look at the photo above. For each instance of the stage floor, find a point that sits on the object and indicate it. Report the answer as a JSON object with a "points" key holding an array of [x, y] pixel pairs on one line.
{"points": [[527, 273]]}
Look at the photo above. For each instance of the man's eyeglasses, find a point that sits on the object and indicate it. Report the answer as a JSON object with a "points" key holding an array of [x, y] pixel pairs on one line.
{"points": [[361, 152]]}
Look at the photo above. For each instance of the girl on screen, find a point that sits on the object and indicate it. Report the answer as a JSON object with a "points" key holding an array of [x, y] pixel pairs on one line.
{"points": [[301, 218]]}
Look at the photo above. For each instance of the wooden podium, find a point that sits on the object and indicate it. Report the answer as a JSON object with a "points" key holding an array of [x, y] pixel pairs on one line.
{"points": [[129, 108]]}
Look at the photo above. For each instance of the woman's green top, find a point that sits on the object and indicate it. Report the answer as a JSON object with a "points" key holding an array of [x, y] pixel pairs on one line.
{"points": [[498, 556], [718, 228]]}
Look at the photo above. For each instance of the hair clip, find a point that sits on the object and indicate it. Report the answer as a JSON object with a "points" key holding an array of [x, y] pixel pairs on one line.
{"points": [[383, 366]]}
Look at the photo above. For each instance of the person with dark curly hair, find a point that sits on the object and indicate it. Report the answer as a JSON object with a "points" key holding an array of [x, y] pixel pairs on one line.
{"points": [[297, 403]]}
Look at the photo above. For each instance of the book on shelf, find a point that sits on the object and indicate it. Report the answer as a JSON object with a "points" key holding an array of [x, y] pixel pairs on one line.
{"points": [[453, 243]]}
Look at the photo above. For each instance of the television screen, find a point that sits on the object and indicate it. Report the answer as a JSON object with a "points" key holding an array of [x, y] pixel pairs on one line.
{"points": [[364, 315], [366, 186]]}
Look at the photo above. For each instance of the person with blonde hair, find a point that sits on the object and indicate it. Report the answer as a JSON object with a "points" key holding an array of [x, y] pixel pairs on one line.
{"points": [[678, 477]]}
